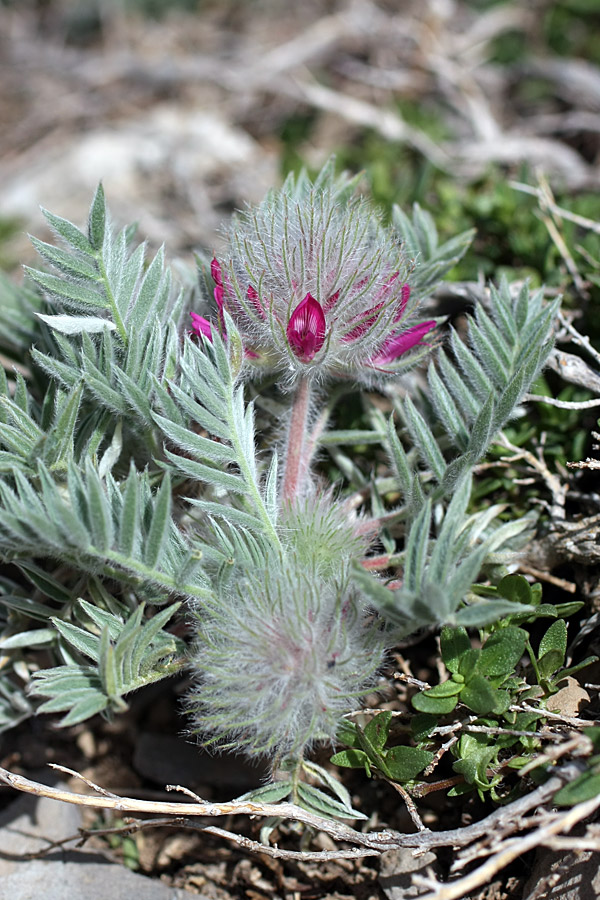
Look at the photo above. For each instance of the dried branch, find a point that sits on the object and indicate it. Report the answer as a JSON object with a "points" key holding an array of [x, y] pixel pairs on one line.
{"points": [[509, 818], [564, 404]]}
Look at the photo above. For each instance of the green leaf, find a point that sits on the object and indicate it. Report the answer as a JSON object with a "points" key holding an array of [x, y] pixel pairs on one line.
{"points": [[313, 799], [448, 688], [422, 725], [502, 651], [75, 265], [469, 662], [378, 729], [486, 612], [454, 642], [83, 641], [584, 787], [346, 733], [515, 588], [550, 662], [159, 527], [67, 290], [328, 780], [405, 763], [68, 232], [478, 695], [85, 709], [77, 324], [37, 638], [351, 759], [269, 793], [571, 670], [422, 702], [26, 606], [502, 701], [44, 582], [97, 219], [555, 639]]}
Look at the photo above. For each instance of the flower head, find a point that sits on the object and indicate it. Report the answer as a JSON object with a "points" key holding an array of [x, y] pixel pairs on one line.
{"points": [[316, 285], [280, 660]]}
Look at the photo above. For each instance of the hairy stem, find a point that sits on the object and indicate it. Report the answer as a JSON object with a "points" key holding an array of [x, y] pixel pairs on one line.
{"points": [[298, 450]]}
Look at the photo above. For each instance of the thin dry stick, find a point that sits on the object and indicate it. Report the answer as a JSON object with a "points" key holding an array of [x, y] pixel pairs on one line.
{"points": [[133, 825], [557, 489], [410, 806], [508, 818], [560, 211], [564, 404], [379, 841], [569, 586], [581, 340]]}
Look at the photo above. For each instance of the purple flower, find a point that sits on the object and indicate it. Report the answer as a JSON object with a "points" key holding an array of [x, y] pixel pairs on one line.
{"points": [[306, 329]]}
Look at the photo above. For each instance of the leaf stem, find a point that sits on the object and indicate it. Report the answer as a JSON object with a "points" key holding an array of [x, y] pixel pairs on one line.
{"points": [[111, 299], [247, 472]]}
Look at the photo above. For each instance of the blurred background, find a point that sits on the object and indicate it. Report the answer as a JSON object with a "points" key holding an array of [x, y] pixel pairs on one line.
{"points": [[187, 109]]}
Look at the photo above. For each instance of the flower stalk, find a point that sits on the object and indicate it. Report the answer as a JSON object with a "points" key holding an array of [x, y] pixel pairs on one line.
{"points": [[298, 448]]}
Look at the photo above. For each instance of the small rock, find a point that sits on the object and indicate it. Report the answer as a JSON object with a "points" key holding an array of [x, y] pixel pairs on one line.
{"points": [[396, 868], [569, 699]]}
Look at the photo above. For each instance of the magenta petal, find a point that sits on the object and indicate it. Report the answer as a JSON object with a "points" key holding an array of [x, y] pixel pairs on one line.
{"points": [[331, 301], [200, 325], [254, 299], [218, 295], [404, 298], [215, 271], [363, 322], [398, 344], [306, 329]]}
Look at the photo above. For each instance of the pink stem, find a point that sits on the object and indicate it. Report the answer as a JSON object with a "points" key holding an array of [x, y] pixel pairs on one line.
{"points": [[297, 458]]}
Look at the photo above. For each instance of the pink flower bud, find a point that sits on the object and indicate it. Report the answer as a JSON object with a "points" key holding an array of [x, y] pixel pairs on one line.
{"points": [[215, 271], [306, 329]]}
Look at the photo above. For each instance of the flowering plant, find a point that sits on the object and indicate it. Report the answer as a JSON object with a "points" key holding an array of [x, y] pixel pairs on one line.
{"points": [[133, 458]]}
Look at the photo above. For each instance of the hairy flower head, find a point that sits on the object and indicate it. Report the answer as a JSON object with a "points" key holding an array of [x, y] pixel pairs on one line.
{"points": [[281, 660], [316, 285]]}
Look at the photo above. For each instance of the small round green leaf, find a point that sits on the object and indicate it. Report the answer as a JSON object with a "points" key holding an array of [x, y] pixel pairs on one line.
{"points": [[446, 689], [478, 695], [582, 788], [405, 763], [350, 759], [516, 588], [555, 639], [378, 729], [422, 702], [502, 651], [454, 642], [422, 725]]}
